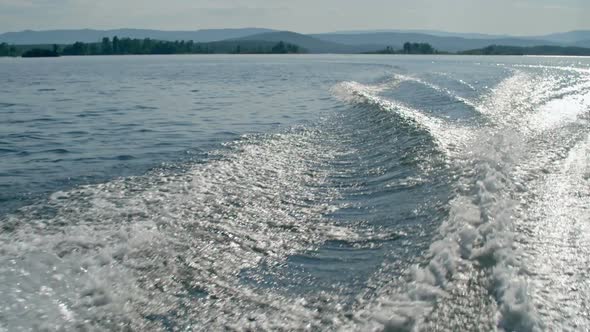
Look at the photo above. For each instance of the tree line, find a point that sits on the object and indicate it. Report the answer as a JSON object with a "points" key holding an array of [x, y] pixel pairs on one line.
{"points": [[8, 50], [124, 46], [410, 48]]}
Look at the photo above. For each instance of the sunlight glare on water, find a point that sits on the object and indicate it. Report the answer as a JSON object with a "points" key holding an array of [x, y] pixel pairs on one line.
{"points": [[315, 193]]}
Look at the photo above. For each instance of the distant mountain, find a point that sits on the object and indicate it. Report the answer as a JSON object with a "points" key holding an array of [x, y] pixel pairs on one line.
{"points": [[335, 42], [583, 43], [571, 37], [566, 38], [427, 32], [89, 36], [313, 45], [448, 44]]}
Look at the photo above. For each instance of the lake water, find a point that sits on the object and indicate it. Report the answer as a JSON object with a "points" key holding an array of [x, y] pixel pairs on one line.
{"points": [[349, 193]]}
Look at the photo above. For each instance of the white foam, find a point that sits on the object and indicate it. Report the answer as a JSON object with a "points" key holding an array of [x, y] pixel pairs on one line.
{"points": [[482, 225], [447, 136], [479, 232]]}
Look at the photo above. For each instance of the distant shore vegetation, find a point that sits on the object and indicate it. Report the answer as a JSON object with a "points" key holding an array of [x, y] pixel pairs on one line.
{"points": [[41, 53], [410, 48], [128, 46], [425, 48], [533, 50]]}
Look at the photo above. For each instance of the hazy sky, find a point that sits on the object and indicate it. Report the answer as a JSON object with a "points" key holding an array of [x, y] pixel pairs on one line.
{"points": [[489, 16]]}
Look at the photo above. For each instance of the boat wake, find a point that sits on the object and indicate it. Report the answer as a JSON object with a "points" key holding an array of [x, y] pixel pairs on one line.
{"points": [[444, 224], [477, 256]]}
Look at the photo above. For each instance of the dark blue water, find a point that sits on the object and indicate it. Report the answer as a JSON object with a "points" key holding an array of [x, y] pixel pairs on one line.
{"points": [[293, 193], [75, 121]]}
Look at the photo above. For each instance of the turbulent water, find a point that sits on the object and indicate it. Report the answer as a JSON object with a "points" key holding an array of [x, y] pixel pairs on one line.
{"points": [[305, 193]]}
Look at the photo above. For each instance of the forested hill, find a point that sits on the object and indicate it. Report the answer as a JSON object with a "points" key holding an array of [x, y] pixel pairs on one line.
{"points": [[123, 46], [312, 44]]}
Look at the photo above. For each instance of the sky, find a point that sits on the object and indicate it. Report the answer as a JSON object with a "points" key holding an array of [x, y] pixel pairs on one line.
{"points": [[515, 17]]}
